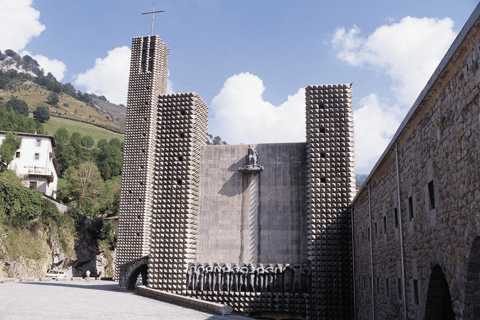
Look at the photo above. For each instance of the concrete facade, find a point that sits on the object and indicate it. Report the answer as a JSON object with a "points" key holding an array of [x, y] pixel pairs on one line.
{"points": [[227, 205], [416, 218], [265, 230], [35, 163]]}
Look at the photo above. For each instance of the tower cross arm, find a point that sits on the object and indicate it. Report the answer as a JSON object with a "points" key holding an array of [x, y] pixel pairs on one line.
{"points": [[153, 14]]}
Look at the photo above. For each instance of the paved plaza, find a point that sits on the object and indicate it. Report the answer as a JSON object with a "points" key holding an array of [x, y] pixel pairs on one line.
{"points": [[88, 300]]}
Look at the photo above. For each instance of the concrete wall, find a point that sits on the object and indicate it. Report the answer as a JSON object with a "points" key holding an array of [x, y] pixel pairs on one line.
{"points": [[229, 199], [437, 143]]}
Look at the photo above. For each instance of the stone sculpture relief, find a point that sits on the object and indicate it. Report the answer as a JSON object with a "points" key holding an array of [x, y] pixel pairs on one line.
{"points": [[252, 165], [232, 277]]}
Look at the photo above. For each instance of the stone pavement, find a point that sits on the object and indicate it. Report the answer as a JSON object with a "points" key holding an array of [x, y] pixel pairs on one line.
{"points": [[88, 300]]}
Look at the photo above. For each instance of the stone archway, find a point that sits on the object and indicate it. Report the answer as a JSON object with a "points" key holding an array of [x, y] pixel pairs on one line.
{"points": [[472, 285], [132, 280], [130, 271], [439, 302]]}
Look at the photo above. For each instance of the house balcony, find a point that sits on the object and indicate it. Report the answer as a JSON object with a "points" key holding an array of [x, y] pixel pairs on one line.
{"points": [[44, 173]]}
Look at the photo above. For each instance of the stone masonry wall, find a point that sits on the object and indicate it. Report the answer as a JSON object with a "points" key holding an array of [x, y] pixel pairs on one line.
{"points": [[225, 202], [438, 210]]}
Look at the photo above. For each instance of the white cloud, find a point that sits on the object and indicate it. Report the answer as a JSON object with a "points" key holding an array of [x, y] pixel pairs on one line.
{"points": [[170, 87], [375, 124], [56, 67], [109, 76], [407, 51], [242, 116], [18, 24]]}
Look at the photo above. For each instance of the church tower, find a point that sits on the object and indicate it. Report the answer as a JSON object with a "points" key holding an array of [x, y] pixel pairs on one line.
{"points": [[148, 80]]}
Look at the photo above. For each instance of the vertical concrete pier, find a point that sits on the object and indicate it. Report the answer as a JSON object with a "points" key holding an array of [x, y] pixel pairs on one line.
{"points": [[250, 219]]}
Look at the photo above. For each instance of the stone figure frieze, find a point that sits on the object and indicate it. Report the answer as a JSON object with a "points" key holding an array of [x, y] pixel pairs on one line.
{"points": [[233, 277]]}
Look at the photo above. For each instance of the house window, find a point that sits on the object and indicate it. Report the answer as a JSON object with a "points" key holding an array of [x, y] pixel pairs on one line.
{"points": [[399, 286], [415, 291], [37, 156], [410, 207], [33, 185], [378, 285], [385, 224], [376, 231], [17, 154], [431, 195], [387, 287], [395, 213], [39, 142]]}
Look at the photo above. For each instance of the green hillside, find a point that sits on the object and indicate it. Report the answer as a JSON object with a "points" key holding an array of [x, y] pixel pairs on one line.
{"points": [[69, 107], [84, 128]]}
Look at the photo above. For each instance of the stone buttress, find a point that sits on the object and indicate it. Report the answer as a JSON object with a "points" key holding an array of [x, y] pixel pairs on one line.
{"points": [[330, 189], [148, 80], [182, 131]]}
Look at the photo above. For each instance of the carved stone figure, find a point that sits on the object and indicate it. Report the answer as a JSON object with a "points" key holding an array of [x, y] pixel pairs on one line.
{"points": [[277, 278], [297, 278], [260, 285], [199, 277], [191, 277], [287, 278], [250, 286], [236, 278], [306, 278], [252, 156], [208, 277], [252, 162], [244, 279], [217, 278], [269, 278], [227, 273]]}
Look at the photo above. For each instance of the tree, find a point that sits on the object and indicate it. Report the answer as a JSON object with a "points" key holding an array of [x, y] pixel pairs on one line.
{"points": [[76, 139], [41, 114], [53, 99], [85, 183], [108, 158], [62, 136], [10, 144], [87, 142], [18, 105]]}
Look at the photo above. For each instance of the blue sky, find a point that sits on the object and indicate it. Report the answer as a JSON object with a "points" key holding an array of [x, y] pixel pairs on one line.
{"points": [[250, 60]]}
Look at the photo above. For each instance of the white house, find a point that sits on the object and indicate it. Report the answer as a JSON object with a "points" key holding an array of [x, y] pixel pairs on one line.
{"points": [[35, 162]]}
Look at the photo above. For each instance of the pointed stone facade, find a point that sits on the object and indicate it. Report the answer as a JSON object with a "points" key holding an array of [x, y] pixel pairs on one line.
{"points": [[330, 189]]}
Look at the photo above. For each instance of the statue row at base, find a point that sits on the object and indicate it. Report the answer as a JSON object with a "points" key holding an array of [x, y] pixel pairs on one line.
{"points": [[231, 277]]}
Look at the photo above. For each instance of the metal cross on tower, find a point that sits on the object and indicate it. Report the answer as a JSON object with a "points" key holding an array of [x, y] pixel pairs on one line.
{"points": [[153, 14]]}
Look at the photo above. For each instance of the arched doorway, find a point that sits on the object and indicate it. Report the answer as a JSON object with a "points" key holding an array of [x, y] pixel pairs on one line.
{"points": [[439, 301], [132, 280], [472, 294]]}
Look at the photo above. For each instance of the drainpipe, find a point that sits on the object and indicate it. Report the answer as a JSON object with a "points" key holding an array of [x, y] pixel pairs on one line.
{"points": [[371, 253], [353, 266], [401, 235]]}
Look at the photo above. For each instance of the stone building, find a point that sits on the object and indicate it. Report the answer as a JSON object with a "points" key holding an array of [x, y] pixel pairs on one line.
{"points": [[35, 163], [417, 217], [263, 228]]}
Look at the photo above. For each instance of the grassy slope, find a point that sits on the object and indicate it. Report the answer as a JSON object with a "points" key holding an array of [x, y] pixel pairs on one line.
{"points": [[36, 96], [83, 128]]}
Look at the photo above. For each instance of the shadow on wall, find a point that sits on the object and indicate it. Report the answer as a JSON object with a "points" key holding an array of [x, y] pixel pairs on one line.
{"points": [[230, 187]]}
